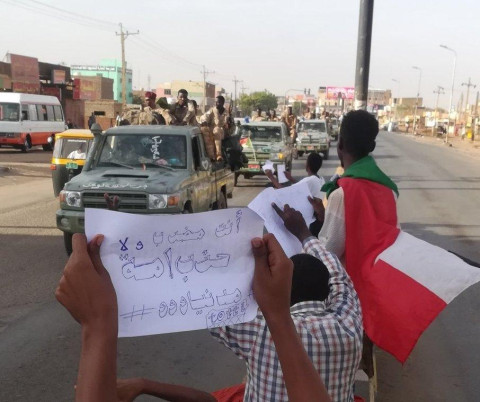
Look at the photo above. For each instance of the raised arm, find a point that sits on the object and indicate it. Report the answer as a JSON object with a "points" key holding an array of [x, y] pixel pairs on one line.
{"points": [[272, 284], [86, 291]]}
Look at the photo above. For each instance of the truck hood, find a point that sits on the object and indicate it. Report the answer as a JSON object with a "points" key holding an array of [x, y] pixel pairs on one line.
{"points": [[264, 146], [153, 181]]}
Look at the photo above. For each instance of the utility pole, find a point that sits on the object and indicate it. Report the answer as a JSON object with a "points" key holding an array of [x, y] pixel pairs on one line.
{"points": [[440, 90], [475, 119], [235, 81], [416, 101], [468, 85], [205, 72], [364, 45], [123, 36]]}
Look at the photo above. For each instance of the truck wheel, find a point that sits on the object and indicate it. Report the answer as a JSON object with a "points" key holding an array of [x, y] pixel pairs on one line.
{"points": [[326, 155], [67, 241], [221, 202], [187, 209], [300, 153], [235, 181]]}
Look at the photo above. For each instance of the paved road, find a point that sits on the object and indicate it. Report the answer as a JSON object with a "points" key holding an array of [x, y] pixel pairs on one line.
{"points": [[39, 343]]}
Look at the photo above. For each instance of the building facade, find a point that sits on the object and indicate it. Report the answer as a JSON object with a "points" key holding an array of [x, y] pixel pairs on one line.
{"points": [[107, 68]]}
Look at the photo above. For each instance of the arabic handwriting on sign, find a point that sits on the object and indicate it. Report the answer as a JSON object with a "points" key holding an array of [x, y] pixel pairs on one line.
{"points": [[157, 238], [238, 218], [229, 298], [221, 261], [137, 313], [186, 236], [162, 309], [168, 255], [148, 270], [123, 257], [183, 305], [139, 245], [185, 266], [124, 244], [224, 229], [206, 300]]}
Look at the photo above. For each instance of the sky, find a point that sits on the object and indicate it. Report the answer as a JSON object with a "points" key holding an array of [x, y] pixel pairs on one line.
{"points": [[277, 45]]}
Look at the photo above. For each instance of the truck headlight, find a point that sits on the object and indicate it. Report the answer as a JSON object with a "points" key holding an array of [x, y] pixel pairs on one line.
{"points": [[71, 198], [157, 201], [160, 201]]}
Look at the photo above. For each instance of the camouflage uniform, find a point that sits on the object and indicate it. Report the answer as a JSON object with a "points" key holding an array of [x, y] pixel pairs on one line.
{"points": [[217, 124], [291, 122], [183, 115], [147, 116]]}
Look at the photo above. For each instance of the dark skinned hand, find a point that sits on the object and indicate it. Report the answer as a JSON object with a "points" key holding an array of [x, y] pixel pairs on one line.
{"points": [[318, 208], [293, 221], [113, 203]]}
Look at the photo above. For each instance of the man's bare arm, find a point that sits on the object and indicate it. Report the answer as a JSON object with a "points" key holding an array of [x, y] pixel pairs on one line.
{"points": [[272, 283]]}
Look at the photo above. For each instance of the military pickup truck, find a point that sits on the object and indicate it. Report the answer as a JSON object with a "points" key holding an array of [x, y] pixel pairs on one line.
{"points": [[264, 141], [152, 170], [312, 136]]}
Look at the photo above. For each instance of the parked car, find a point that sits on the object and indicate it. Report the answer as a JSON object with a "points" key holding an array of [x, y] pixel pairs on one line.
{"points": [[312, 136], [264, 141], [69, 154], [152, 170]]}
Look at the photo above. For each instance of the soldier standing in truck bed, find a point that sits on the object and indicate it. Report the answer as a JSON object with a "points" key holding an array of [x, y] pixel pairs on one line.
{"points": [[183, 111]]}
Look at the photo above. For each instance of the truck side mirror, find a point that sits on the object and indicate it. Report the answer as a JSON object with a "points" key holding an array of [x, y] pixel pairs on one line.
{"points": [[205, 164]]}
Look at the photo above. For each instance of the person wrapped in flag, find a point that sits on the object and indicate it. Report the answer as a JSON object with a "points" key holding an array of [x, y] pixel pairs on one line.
{"points": [[402, 282]]}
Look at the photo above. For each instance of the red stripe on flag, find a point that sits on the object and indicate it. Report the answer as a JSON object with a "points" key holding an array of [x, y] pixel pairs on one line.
{"points": [[396, 309]]}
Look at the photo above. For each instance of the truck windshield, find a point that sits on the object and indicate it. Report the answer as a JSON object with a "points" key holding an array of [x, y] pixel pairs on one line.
{"points": [[259, 133], [312, 127], [9, 111], [144, 151]]}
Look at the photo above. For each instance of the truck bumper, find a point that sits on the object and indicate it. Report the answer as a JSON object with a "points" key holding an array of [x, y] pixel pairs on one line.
{"points": [[70, 221], [312, 148]]}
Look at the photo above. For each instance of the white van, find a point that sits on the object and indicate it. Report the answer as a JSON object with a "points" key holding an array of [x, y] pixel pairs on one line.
{"points": [[27, 120]]}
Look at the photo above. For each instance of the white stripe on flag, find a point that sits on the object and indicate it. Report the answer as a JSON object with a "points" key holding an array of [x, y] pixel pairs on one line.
{"points": [[441, 272]]}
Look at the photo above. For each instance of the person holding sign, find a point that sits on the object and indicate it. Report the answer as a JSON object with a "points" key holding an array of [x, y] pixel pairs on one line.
{"points": [[312, 166], [87, 292], [325, 312]]}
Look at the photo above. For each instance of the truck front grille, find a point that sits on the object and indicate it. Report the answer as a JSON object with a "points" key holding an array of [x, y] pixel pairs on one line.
{"points": [[128, 201]]}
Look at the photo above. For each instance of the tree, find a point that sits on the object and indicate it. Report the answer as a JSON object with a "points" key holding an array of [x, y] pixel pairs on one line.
{"points": [[265, 100]]}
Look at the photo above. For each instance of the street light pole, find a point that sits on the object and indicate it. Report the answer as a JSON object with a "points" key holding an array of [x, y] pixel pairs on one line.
{"points": [[453, 84], [440, 90], [416, 102]]}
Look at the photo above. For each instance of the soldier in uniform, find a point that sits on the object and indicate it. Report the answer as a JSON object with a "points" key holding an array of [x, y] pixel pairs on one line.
{"points": [[272, 116], [182, 113], [258, 115], [290, 121], [217, 122], [149, 115]]}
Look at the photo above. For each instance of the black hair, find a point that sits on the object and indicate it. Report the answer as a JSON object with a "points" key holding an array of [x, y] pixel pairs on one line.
{"points": [[310, 279], [220, 97], [183, 91], [358, 132], [314, 162]]}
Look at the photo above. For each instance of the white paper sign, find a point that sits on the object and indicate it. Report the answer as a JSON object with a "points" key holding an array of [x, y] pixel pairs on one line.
{"points": [[296, 197], [281, 174], [315, 184], [268, 165], [177, 273]]}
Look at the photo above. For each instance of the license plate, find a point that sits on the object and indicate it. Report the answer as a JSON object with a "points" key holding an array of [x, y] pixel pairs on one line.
{"points": [[254, 167], [72, 165], [310, 147]]}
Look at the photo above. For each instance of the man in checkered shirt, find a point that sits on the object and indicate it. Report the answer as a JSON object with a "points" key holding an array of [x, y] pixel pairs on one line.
{"points": [[326, 312]]}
